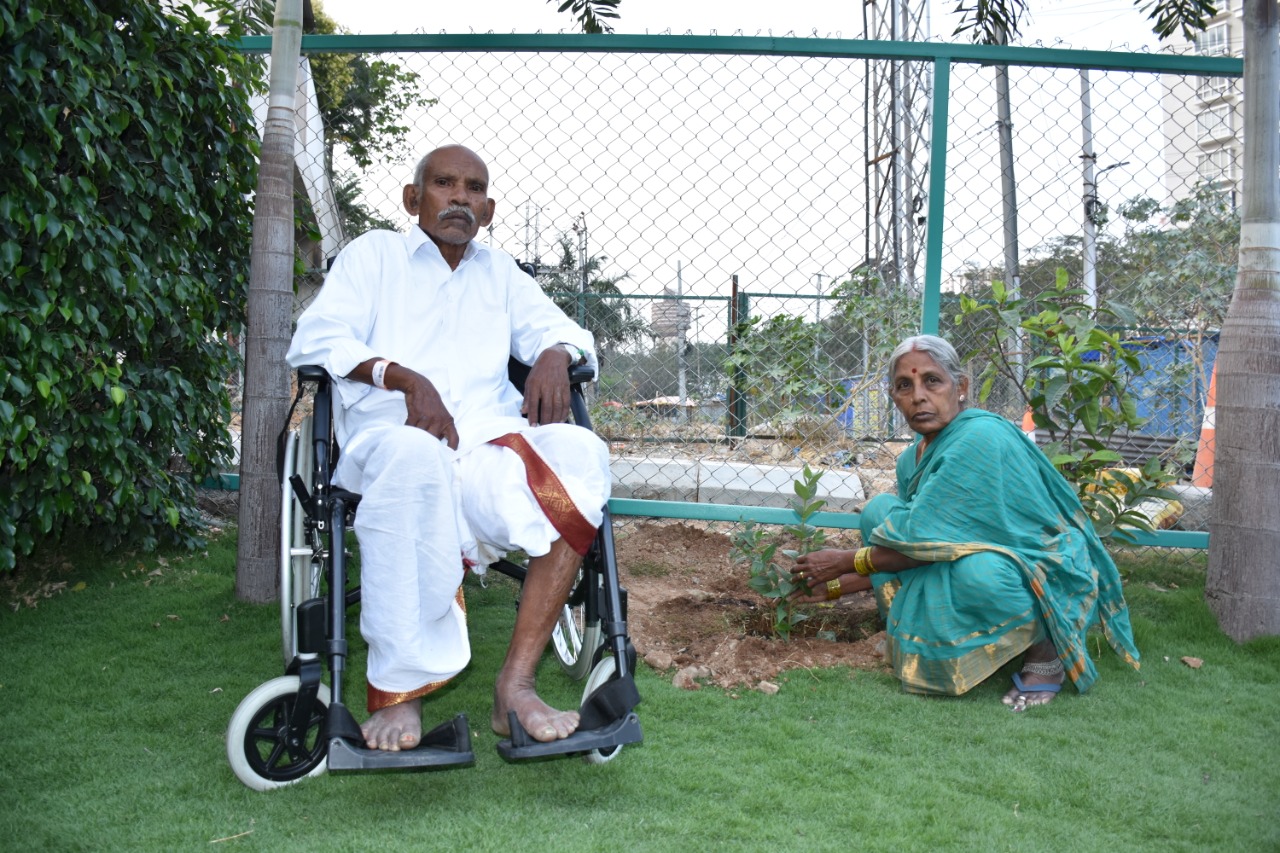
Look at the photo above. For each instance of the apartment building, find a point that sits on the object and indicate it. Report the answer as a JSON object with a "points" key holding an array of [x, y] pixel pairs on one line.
{"points": [[1203, 116]]}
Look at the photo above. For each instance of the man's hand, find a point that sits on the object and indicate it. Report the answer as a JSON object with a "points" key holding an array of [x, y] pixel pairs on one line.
{"points": [[546, 391], [426, 410]]}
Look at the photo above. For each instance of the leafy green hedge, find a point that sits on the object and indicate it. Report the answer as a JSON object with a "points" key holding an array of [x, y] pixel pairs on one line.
{"points": [[125, 222]]}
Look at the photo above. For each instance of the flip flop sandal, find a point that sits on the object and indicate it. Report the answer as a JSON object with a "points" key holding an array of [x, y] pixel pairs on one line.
{"points": [[1034, 688]]}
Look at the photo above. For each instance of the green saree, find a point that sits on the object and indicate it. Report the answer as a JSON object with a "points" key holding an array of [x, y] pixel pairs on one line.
{"points": [[1010, 559]]}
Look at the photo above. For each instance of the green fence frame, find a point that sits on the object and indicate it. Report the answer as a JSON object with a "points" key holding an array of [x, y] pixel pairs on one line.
{"points": [[942, 54]]}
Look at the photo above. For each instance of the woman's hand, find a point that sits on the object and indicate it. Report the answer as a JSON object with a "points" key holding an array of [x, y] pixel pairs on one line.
{"points": [[818, 567]]}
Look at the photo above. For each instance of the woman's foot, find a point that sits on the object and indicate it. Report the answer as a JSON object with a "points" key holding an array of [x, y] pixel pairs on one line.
{"points": [[1040, 680]]}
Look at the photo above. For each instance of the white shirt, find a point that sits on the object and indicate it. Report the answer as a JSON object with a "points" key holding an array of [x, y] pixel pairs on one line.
{"points": [[394, 296]]}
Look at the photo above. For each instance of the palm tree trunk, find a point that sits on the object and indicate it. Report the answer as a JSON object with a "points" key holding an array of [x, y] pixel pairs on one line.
{"points": [[1243, 584], [270, 308]]}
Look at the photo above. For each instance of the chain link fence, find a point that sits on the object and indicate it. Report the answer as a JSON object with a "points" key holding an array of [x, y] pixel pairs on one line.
{"points": [[749, 233]]}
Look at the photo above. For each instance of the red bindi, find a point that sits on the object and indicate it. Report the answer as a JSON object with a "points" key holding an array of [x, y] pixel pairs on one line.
{"points": [[913, 370]]}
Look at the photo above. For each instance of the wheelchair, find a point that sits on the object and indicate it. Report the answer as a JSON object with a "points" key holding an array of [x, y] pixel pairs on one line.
{"points": [[296, 726]]}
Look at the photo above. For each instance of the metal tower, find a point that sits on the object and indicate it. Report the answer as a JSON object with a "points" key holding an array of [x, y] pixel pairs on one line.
{"points": [[897, 111]]}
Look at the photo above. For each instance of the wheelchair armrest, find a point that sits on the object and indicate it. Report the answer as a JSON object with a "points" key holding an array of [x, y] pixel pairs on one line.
{"points": [[313, 373], [518, 372]]}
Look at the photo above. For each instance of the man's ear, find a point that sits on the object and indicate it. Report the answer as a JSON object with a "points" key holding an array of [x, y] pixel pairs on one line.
{"points": [[488, 215], [410, 199]]}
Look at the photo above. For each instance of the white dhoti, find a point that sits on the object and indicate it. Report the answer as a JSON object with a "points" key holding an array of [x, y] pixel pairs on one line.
{"points": [[425, 509]]}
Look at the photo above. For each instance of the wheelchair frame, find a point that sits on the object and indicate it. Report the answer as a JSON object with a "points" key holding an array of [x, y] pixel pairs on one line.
{"points": [[295, 726]]}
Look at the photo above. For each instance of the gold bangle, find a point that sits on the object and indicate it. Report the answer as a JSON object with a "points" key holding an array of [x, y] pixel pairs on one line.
{"points": [[833, 589], [862, 561]]}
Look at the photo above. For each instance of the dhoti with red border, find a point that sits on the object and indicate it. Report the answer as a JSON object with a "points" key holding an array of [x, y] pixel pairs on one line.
{"points": [[427, 511]]}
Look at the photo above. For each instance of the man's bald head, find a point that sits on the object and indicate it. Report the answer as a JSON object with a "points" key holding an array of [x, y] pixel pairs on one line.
{"points": [[450, 197]]}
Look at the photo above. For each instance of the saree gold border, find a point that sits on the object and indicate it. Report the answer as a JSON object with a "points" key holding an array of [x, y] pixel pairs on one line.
{"points": [[376, 700], [551, 494], [957, 676], [1025, 616], [1073, 656]]}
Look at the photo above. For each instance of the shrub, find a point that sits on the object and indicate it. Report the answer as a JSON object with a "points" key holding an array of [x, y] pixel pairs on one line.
{"points": [[124, 244], [1074, 375]]}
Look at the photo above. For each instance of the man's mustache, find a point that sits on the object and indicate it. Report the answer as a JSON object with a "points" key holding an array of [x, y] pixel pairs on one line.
{"points": [[457, 210]]}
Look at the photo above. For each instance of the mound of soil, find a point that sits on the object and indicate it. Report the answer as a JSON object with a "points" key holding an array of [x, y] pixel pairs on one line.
{"points": [[691, 613]]}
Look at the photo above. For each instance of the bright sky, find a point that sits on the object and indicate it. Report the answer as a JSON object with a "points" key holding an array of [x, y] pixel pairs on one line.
{"points": [[1081, 24]]}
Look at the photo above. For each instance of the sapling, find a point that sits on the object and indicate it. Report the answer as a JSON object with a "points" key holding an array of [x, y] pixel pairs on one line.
{"points": [[757, 549]]}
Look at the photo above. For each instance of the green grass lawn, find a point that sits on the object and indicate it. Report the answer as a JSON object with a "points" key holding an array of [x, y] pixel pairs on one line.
{"points": [[116, 694]]}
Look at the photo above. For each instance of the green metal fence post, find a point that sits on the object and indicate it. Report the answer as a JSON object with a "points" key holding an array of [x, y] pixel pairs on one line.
{"points": [[739, 306], [937, 197]]}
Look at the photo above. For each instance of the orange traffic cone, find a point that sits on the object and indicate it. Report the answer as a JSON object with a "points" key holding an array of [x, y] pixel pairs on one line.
{"points": [[1202, 473]]}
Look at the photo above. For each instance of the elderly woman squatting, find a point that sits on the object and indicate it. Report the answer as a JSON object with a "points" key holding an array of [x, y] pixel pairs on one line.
{"points": [[985, 553]]}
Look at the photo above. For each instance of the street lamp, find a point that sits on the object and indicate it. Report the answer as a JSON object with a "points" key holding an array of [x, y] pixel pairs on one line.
{"points": [[1095, 215]]}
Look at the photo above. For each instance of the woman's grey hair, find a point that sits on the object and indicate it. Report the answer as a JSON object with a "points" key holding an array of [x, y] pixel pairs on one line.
{"points": [[936, 348]]}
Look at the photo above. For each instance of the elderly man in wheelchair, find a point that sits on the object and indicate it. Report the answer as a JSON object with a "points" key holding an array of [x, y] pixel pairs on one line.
{"points": [[452, 465]]}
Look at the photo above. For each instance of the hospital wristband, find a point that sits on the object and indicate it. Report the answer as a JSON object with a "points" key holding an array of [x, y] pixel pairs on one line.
{"points": [[576, 354], [379, 373]]}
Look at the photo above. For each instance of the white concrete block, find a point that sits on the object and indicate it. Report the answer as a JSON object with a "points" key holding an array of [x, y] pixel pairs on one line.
{"points": [[655, 479], [745, 484], [1196, 504]]}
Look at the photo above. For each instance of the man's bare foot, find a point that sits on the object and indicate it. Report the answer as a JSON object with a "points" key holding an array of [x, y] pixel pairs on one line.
{"points": [[540, 720], [394, 727]]}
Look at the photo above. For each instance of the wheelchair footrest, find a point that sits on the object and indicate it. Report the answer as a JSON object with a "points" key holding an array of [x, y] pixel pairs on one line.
{"points": [[521, 746], [447, 745]]}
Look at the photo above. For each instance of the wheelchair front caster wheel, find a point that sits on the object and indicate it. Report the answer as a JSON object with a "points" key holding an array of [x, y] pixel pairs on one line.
{"points": [[600, 675], [262, 752]]}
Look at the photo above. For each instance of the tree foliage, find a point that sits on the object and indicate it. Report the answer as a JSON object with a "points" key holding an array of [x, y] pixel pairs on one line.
{"points": [[781, 364], [994, 21], [590, 14], [599, 306], [364, 101], [124, 235], [1180, 260], [872, 315], [1174, 264], [787, 364]]}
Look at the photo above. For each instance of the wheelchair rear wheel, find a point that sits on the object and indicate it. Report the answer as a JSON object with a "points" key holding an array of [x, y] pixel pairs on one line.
{"points": [[258, 745], [300, 566], [574, 640]]}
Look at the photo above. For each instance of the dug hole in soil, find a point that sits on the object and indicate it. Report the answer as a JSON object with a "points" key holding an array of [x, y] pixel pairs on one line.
{"points": [[692, 615]]}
